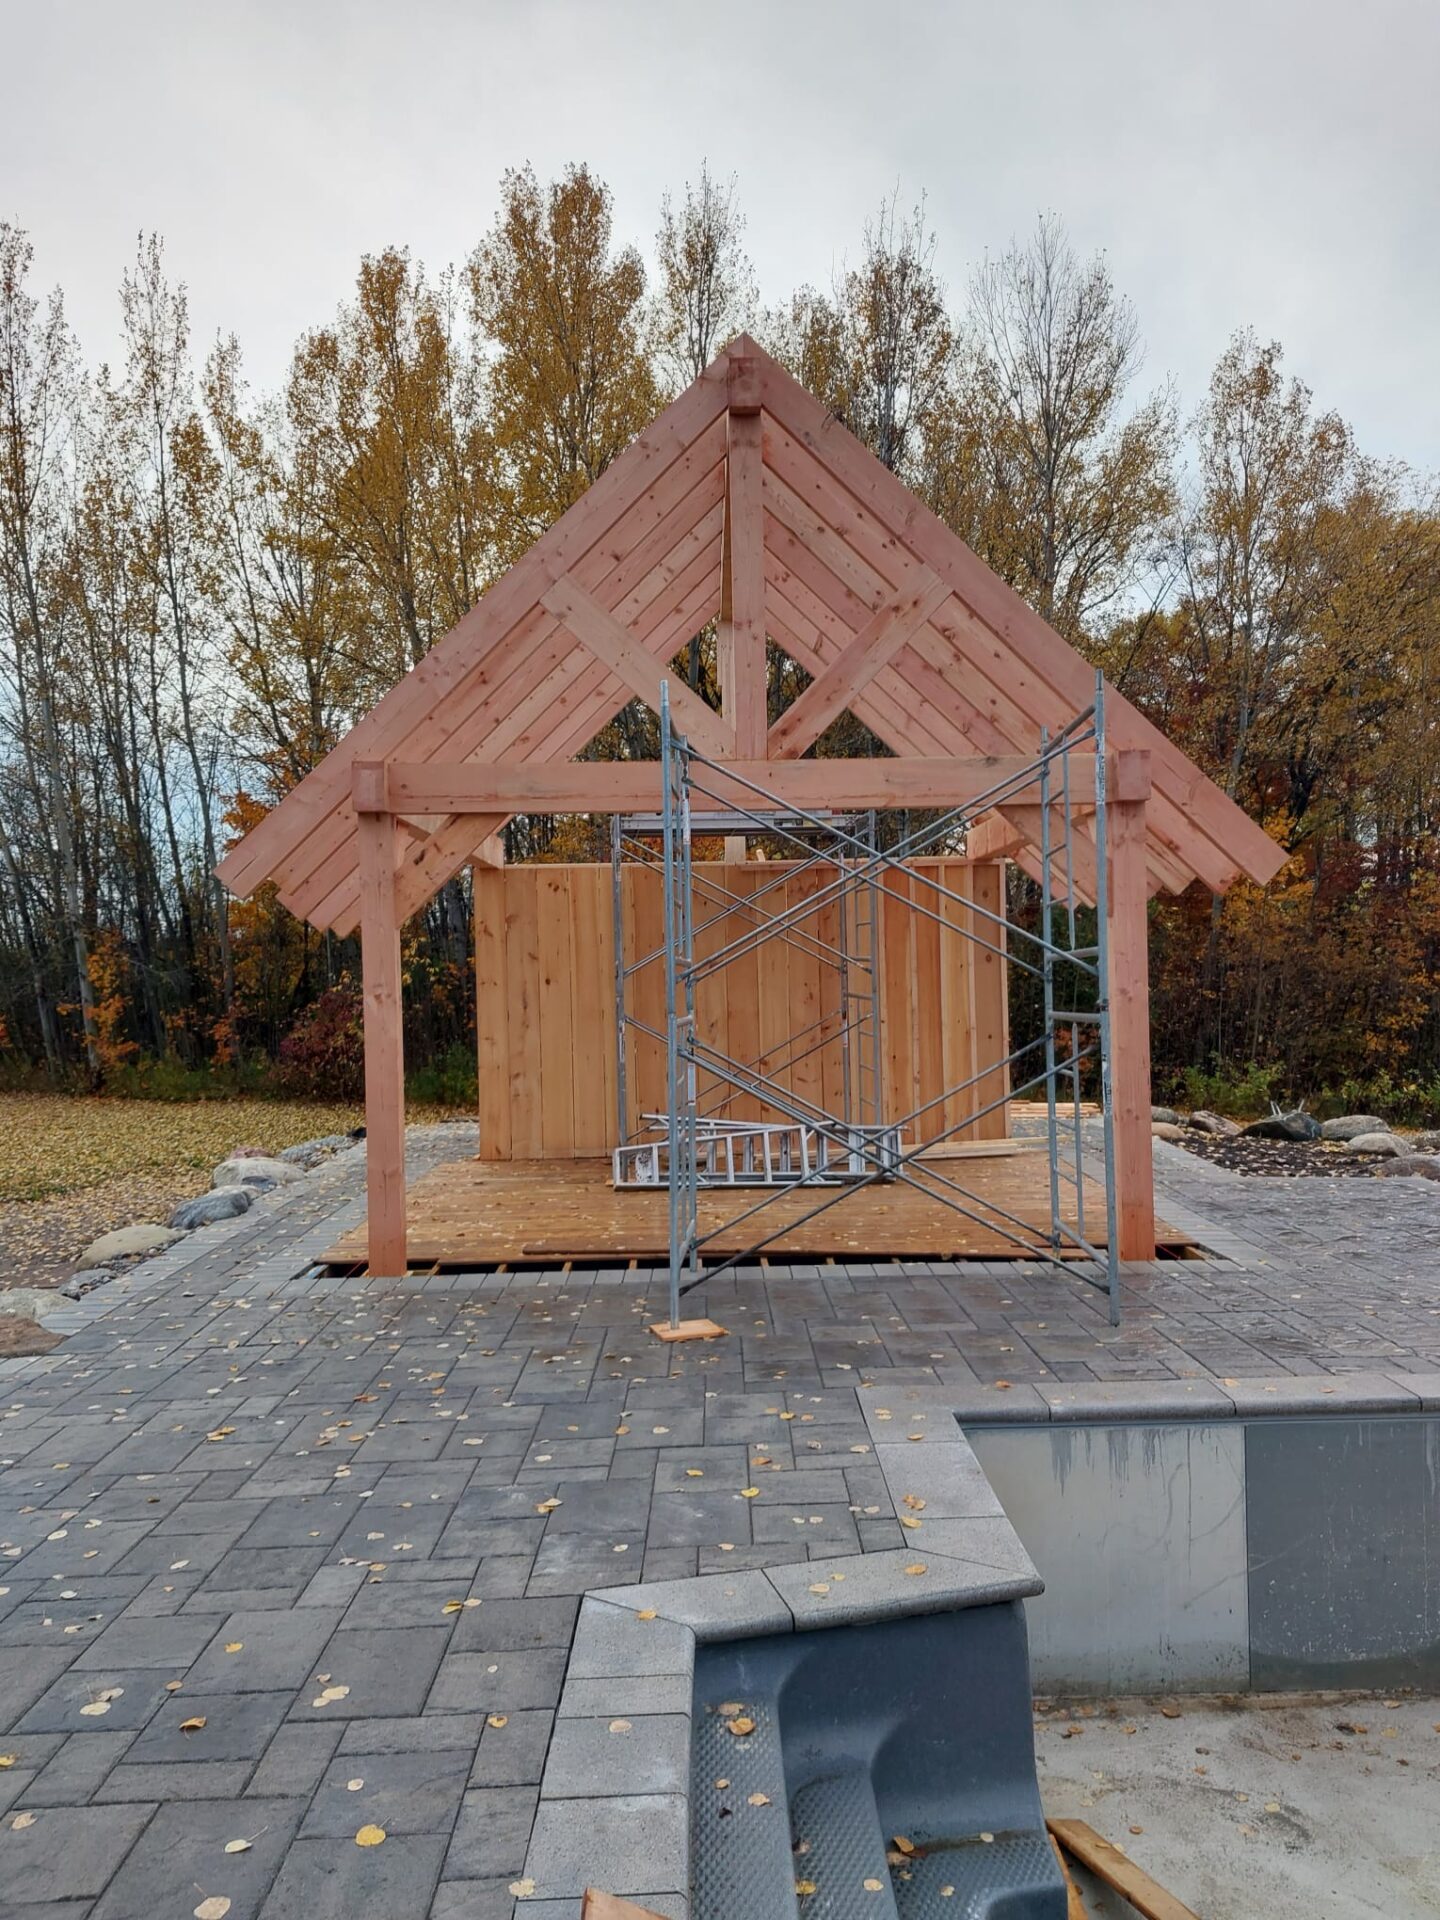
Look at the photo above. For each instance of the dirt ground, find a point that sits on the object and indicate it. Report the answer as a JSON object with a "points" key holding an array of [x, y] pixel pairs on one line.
{"points": [[72, 1169]]}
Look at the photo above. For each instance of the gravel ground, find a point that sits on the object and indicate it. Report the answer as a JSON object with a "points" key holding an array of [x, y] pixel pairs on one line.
{"points": [[1281, 1159]]}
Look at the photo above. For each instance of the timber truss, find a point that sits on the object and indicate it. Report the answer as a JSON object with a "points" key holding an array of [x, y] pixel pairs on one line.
{"points": [[744, 504]]}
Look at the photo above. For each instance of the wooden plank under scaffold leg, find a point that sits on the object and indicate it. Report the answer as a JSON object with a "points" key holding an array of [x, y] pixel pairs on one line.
{"points": [[688, 1330]]}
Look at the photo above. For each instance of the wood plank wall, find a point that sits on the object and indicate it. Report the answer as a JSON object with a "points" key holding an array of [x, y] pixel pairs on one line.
{"points": [[545, 999]]}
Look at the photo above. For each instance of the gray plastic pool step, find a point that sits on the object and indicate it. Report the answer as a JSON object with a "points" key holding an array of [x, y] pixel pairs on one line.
{"points": [[916, 1731]]}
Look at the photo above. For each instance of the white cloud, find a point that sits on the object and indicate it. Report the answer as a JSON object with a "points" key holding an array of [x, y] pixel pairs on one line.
{"points": [[1248, 163]]}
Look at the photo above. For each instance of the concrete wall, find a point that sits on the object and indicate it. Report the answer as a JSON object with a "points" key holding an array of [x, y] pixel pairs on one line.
{"points": [[1271, 1555]]}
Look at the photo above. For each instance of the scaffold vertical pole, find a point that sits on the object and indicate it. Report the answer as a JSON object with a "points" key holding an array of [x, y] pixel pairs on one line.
{"points": [[1102, 988]]}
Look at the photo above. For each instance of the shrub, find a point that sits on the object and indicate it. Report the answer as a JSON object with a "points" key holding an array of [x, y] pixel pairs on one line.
{"points": [[450, 1081], [324, 1052]]}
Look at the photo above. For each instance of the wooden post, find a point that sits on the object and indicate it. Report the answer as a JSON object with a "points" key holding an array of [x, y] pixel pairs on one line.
{"points": [[740, 639], [1130, 1007], [384, 1046]]}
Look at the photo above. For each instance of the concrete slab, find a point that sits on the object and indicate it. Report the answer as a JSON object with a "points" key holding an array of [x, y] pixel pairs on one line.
{"points": [[1259, 1806]]}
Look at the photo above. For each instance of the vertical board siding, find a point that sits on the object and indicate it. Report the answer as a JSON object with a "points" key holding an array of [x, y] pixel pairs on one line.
{"points": [[545, 1004]]}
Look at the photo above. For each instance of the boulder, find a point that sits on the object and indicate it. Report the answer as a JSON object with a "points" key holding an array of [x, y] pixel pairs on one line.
{"points": [[1425, 1143], [1166, 1130], [221, 1203], [309, 1153], [1165, 1116], [30, 1303], [1203, 1121], [1383, 1144], [1350, 1126], [1284, 1126], [250, 1169], [126, 1242], [1410, 1163]]}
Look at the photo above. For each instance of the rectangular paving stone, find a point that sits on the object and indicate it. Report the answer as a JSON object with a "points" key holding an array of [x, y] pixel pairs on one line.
{"points": [[401, 1792], [177, 1780], [494, 1681], [387, 1670], [473, 1900], [832, 1528], [574, 1563], [618, 1844], [625, 1694], [513, 1754], [492, 1833], [237, 1727], [276, 1650], [163, 1642], [511, 1626], [75, 1771], [650, 1753], [414, 1733], [333, 1879], [60, 1709], [69, 1853], [295, 1760]]}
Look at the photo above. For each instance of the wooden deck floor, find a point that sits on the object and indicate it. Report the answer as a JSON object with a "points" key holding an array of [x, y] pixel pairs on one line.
{"points": [[474, 1213]]}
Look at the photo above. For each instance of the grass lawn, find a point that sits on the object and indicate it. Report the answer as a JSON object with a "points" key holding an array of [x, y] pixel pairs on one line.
{"points": [[71, 1169]]}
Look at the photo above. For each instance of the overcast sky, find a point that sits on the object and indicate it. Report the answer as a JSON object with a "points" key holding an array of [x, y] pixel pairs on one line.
{"points": [[1271, 163]]}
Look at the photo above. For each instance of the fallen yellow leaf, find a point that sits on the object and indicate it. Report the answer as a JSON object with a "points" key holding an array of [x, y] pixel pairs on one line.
{"points": [[802, 1887], [918, 1567], [194, 1725], [497, 1720], [21, 1821], [369, 1836], [215, 1908], [238, 1846], [749, 1493], [645, 1613], [740, 1725], [758, 1800]]}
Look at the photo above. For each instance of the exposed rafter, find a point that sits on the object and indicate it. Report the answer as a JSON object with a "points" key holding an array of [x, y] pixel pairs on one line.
{"points": [[747, 502]]}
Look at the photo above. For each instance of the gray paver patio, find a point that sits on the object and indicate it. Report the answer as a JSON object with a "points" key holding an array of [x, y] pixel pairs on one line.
{"points": [[346, 1524]]}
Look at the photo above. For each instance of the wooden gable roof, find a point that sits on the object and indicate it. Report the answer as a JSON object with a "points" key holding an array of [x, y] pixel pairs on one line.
{"points": [[746, 502]]}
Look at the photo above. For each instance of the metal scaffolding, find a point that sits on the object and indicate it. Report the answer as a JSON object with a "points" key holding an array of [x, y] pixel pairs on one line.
{"points": [[863, 1145]]}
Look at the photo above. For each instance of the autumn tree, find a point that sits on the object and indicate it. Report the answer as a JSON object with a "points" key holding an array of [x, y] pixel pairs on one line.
{"points": [[569, 384], [1037, 460], [706, 293], [879, 347], [39, 387], [1257, 560]]}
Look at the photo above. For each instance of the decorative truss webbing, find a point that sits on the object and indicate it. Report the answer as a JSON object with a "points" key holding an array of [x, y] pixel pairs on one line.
{"points": [[844, 851]]}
